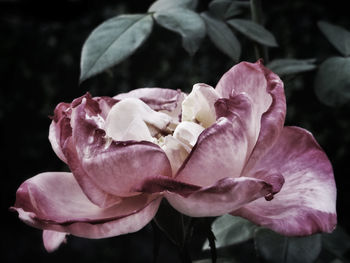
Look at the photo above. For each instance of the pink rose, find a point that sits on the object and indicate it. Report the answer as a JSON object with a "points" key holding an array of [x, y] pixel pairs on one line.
{"points": [[211, 152]]}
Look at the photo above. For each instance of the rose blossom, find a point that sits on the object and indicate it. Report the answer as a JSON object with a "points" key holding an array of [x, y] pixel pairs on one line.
{"points": [[211, 152]]}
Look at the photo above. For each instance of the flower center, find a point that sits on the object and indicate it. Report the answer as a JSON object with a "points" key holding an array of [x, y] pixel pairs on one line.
{"points": [[132, 119]]}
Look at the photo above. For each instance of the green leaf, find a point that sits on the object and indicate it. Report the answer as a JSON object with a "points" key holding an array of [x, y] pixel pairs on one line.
{"points": [[113, 41], [225, 8], [231, 230], [185, 22], [275, 248], [291, 66], [165, 5], [332, 83], [254, 31], [338, 36], [222, 37], [338, 242]]}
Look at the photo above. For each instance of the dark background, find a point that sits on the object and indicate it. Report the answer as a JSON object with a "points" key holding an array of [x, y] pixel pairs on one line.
{"points": [[40, 50]]}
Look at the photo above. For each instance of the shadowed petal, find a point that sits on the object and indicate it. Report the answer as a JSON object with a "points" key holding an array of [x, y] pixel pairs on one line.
{"points": [[226, 195], [60, 129], [221, 151], [114, 167], [95, 193], [54, 201], [53, 239], [306, 202]]}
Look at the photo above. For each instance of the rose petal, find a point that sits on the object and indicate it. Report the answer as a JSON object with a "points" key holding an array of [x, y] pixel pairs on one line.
{"points": [[306, 203], [105, 105], [53, 239], [60, 129], [92, 190], [54, 201], [272, 121], [176, 151], [128, 120], [115, 167], [246, 78], [221, 151], [188, 132], [156, 98], [265, 92], [198, 106], [226, 195]]}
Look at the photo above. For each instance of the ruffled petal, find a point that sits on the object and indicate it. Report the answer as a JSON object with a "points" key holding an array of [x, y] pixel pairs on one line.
{"points": [[129, 120], [198, 106], [157, 98], [176, 151], [92, 190], [220, 152], [306, 204], [54, 201], [264, 90], [53, 239], [60, 129], [272, 121], [115, 167], [246, 78], [224, 196]]}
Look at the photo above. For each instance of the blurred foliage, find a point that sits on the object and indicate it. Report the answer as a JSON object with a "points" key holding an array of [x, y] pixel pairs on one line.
{"points": [[40, 55]]}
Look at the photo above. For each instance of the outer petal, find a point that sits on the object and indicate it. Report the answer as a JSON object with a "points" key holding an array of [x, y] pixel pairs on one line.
{"points": [[54, 201], [114, 167], [220, 198], [306, 203], [53, 239], [221, 151], [264, 89], [272, 121], [226, 195], [60, 129]]}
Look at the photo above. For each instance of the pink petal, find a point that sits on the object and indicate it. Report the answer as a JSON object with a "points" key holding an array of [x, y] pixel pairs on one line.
{"points": [[221, 151], [264, 90], [272, 121], [105, 105], [115, 167], [248, 78], [53, 239], [226, 195], [156, 98], [95, 194], [54, 201], [60, 129], [306, 203]]}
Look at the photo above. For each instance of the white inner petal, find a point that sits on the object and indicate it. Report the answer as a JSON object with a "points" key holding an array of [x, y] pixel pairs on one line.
{"points": [[131, 118], [176, 152], [188, 132], [198, 106]]}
